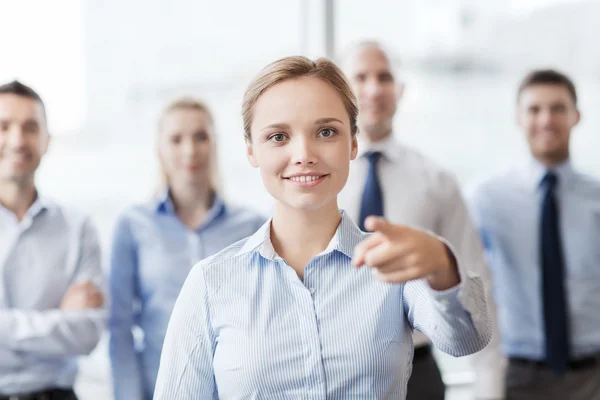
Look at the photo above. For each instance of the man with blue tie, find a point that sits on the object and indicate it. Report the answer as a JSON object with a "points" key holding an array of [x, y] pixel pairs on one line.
{"points": [[394, 181], [51, 306], [541, 227]]}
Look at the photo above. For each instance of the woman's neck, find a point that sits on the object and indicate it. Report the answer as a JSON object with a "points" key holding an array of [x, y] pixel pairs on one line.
{"points": [[192, 203], [299, 235]]}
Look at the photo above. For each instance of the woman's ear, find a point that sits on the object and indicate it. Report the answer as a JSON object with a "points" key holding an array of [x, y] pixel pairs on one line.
{"points": [[250, 153], [354, 149]]}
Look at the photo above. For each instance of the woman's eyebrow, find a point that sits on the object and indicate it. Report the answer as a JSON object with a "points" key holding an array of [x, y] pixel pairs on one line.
{"points": [[276, 125], [327, 120]]}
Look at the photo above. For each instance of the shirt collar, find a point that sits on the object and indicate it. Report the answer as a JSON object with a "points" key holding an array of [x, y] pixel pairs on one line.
{"points": [[163, 202], [345, 239], [388, 147], [40, 204], [164, 205], [537, 171]]}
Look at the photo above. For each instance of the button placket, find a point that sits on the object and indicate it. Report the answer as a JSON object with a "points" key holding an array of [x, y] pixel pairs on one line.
{"points": [[195, 252], [315, 360]]}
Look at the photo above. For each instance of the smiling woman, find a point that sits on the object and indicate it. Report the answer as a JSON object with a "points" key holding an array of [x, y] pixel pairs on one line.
{"points": [[311, 150], [275, 315], [312, 154], [155, 243]]}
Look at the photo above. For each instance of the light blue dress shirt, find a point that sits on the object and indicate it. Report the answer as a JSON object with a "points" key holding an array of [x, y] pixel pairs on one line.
{"points": [[246, 327], [40, 257], [152, 254], [507, 208]]}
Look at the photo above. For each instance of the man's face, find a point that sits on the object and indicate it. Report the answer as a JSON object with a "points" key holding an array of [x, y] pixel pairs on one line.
{"points": [[23, 137], [369, 70], [547, 113]]}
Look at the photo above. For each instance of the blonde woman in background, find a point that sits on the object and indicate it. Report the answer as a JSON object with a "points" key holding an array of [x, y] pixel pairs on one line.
{"points": [[293, 311], [156, 243]]}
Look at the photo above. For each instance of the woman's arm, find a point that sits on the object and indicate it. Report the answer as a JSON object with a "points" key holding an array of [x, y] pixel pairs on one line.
{"points": [[126, 370], [186, 365]]}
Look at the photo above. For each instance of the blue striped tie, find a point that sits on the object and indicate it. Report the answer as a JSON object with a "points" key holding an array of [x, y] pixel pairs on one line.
{"points": [[553, 281], [372, 198]]}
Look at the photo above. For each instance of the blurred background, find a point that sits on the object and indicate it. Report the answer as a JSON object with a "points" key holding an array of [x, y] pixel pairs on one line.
{"points": [[105, 68]]}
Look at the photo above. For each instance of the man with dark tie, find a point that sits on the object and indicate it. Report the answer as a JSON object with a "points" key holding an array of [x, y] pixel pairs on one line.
{"points": [[392, 180], [541, 227]]}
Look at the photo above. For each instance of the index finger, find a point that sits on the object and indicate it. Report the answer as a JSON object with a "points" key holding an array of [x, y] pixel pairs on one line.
{"points": [[374, 240], [385, 227]]}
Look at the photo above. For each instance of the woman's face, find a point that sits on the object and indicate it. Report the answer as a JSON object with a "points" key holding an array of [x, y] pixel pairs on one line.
{"points": [[185, 146], [301, 140]]}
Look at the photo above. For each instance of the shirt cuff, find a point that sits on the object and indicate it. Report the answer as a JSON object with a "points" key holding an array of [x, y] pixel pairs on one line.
{"points": [[446, 299]]}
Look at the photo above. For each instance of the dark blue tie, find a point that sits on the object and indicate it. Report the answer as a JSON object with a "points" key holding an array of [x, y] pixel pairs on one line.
{"points": [[372, 198], [553, 280]]}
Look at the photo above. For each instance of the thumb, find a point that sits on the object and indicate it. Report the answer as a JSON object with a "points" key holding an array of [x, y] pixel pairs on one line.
{"points": [[379, 224]]}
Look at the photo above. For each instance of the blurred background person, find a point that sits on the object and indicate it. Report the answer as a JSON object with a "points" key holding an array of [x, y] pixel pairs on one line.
{"points": [[540, 223], [50, 270], [395, 181], [156, 243]]}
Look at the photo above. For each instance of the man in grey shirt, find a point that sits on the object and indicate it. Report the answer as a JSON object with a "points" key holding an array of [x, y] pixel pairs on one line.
{"points": [[51, 305]]}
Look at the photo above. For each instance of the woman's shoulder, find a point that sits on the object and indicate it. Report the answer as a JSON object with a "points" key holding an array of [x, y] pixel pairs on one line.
{"points": [[135, 218], [139, 210], [216, 268]]}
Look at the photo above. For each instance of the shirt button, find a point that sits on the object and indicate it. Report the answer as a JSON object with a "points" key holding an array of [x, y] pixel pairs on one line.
{"points": [[312, 290]]}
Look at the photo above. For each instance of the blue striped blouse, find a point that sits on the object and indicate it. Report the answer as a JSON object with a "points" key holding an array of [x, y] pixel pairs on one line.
{"points": [[151, 256], [246, 327]]}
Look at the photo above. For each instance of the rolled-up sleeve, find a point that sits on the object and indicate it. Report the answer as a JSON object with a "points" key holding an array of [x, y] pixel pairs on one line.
{"points": [[56, 332], [126, 368]]}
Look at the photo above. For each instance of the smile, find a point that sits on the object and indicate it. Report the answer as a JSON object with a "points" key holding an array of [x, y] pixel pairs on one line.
{"points": [[306, 180]]}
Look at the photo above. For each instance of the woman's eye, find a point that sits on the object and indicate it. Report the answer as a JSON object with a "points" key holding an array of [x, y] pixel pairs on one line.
{"points": [[278, 137], [326, 133]]}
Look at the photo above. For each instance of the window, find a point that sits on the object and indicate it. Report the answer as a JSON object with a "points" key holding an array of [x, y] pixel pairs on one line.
{"points": [[44, 50]]}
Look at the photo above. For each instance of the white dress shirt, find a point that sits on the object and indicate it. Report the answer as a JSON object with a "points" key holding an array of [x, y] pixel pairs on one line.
{"points": [[419, 193], [40, 256]]}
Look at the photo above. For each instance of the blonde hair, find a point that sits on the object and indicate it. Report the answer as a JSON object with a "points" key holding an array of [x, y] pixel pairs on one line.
{"points": [[190, 103], [293, 68]]}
